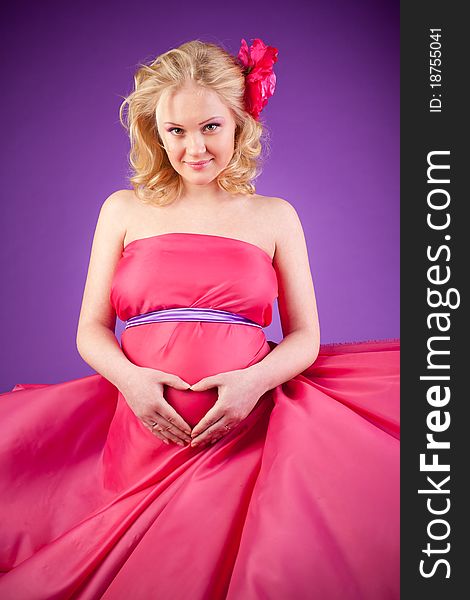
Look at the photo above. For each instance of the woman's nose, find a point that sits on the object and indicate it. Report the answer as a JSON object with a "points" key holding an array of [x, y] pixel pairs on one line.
{"points": [[196, 145]]}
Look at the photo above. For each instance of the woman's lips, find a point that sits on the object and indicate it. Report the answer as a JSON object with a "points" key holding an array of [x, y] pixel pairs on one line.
{"points": [[200, 165]]}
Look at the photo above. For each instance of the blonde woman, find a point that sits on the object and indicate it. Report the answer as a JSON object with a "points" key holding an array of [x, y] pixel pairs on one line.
{"points": [[201, 460]]}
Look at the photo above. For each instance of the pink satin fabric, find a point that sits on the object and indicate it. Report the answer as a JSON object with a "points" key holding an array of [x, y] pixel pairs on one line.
{"points": [[300, 500]]}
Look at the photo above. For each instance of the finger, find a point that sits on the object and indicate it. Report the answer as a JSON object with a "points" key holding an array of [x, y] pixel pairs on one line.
{"points": [[212, 416], [204, 384], [157, 433], [163, 438], [175, 381], [163, 433], [162, 424], [212, 434], [173, 417]]}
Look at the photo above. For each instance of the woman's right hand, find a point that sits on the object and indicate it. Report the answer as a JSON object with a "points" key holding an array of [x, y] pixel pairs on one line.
{"points": [[144, 394]]}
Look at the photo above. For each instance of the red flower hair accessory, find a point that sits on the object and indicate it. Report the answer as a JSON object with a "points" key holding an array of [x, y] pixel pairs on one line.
{"points": [[260, 80]]}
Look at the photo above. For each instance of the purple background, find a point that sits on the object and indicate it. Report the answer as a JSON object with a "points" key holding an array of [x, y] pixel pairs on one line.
{"points": [[334, 123]]}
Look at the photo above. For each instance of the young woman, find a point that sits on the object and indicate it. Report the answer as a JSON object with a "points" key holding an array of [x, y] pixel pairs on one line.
{"points": [[202, 461]]}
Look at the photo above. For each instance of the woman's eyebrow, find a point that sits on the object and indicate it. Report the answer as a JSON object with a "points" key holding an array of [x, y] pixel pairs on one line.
{"points": [[210, 119]]}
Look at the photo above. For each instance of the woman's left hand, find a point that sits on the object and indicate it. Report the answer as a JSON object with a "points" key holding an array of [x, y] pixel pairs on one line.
{"points": [[238, 393]]}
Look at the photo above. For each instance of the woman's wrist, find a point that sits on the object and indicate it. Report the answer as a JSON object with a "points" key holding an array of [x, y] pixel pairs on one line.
{"points": [[258, 374], [127, 376], [289, 358]]}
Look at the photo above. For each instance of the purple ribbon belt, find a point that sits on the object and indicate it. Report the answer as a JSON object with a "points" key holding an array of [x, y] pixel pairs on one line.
{"points": [[211, 315]]}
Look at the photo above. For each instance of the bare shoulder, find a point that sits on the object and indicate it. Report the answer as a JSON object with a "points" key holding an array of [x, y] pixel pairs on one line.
{"points": [[282, 219], [275, 207], [119, 203], [115, 213], [111, 227], [281, 207]]}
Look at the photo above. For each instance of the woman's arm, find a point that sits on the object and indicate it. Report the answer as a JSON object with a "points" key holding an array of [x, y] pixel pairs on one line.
{"points": [[98, 347], [96, 341], [296, 301]]}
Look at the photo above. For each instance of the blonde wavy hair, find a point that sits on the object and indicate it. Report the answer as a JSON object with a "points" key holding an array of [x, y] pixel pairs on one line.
{"points": [[211, 67]]}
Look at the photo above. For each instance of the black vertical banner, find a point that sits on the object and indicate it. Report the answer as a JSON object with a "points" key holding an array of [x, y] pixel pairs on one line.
{"points": [[435, 259]]}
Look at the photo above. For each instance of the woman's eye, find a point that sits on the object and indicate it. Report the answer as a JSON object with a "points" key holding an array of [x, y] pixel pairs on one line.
{"points": [[208, 125]]}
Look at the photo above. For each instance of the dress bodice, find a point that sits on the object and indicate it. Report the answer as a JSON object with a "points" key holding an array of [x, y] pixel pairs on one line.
{"points": [[176, 270]]}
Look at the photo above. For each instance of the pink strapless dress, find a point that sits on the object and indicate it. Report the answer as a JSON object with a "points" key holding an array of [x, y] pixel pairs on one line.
{"points": [[299, 501]]}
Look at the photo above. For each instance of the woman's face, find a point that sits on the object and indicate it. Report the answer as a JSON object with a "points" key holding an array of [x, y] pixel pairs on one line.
{"points": [[195, 126]]}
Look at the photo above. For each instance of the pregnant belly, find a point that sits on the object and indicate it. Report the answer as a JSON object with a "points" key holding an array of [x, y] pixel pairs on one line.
{"points": [[193, 350]]}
